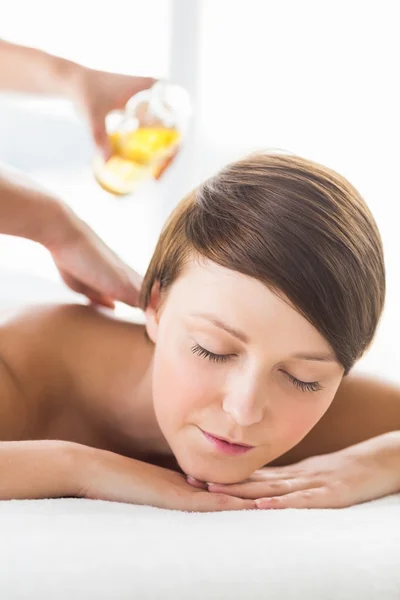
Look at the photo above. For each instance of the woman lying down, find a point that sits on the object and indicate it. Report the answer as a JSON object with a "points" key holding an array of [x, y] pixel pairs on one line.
{"points": [[265, 288]]}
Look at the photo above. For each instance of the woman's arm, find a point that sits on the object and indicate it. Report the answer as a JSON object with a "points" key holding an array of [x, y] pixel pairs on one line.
{"points": [[363, 408], [57, 469], [37, 469]]}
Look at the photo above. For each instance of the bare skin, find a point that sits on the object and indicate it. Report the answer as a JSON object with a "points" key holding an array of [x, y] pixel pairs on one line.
{"points": [[62, 368], [65, 369]]}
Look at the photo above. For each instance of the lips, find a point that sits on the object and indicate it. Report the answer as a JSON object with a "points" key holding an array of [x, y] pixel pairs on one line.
{"points": [[226, 447]]}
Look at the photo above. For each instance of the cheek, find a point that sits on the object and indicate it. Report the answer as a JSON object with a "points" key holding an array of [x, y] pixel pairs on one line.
{"points": [[294, 420], [180, 388]]}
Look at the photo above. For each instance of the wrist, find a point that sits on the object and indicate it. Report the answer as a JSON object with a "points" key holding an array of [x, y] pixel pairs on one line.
{"points": [[73, 79], [67, 464], [393, 444], [388, 456], [80, 462], [59, 227], [66, 76], [27, 210]]}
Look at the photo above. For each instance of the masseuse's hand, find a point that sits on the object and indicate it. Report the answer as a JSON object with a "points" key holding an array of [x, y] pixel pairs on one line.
{"points": [[104, 475], [360, 473], [89, 267], [86, 264], [97, 93]]}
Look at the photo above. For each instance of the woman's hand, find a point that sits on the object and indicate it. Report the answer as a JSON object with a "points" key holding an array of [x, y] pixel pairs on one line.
{"points": [[360, 473], [108, 476], [97, 93]]}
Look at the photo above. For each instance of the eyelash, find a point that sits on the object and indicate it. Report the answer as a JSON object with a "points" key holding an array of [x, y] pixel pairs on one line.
{"points": [[303, 386], [217, 358]]}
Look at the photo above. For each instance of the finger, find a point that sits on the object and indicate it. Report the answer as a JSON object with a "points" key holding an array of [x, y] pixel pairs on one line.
{"points": [[269, 474], [80, 288], [312, 498], [265, 475], [160, 169], [94, 296], [196, 483], [205, 502], [128, 288], [129, 86], [124, 289], [74, 284], [102, 301], [100, 137], [258, 489], [98, 299], [142, 83], [123, 285]]}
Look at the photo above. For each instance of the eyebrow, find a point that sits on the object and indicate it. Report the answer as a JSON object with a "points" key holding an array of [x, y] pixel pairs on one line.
{"points": [[240, 335], [316, 357]]}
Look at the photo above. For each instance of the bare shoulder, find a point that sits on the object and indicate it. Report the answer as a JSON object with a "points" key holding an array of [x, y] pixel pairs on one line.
{"points": [[102, 353], [364, 406], [64, 326], [27, 372], [62, 352], [92, 333], [105, 356]]}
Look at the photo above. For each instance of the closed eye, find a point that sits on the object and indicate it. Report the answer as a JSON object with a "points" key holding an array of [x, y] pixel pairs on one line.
{"points": [[303, 386], [211, 356]]}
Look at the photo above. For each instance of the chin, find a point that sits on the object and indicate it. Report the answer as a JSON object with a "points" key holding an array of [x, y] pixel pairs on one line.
{"points": [[214, 471]]}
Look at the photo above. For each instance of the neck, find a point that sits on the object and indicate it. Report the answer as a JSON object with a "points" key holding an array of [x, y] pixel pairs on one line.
{"points": [[130, 424], [150, 436]]}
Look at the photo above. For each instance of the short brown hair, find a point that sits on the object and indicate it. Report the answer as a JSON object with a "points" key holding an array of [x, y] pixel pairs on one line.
{"points": [[296, 226]]}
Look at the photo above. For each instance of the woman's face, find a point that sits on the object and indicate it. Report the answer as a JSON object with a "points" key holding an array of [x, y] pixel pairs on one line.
{"points": [[234, 361]]}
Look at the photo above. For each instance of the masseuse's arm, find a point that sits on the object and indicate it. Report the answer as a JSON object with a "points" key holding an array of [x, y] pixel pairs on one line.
{"points": [[363, 408], [94, 92], [30, 70], [85, 263]]}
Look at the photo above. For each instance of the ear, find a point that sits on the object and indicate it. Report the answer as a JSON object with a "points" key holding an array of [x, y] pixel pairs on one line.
{"points": [[152, 312]]}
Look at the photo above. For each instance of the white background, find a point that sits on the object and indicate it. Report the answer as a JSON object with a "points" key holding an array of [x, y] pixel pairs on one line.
{"points": [[316, 78]]}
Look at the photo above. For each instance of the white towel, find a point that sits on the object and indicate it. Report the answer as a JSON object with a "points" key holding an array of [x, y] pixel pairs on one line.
{"points": [[82, 550]]}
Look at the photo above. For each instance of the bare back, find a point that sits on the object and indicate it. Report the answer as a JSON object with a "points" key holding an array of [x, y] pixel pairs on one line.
{"points": [[58, 363]]}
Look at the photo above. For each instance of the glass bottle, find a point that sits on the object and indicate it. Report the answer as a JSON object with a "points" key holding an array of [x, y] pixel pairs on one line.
{"points": [[144, 138]]}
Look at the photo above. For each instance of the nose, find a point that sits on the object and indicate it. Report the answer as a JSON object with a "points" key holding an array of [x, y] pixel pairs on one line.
{"points": [[244, 403]]}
